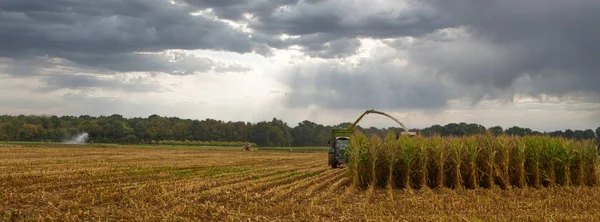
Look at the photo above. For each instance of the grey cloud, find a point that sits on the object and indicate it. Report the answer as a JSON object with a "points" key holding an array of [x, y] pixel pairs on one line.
{"points": [[231, 68], [317, 23], [340, 19], [137, 84], [28, 102], [181, 64], [104, 105], [175, 63], [32, 67], [85, 103], [552, 43], [369, 86], [321, 45], [69, 28], [264, 50], [25, 67], [102, 71], [235, 9], [507, 39], [502, 48], [338, 48], [509, 47], [314, 1]]}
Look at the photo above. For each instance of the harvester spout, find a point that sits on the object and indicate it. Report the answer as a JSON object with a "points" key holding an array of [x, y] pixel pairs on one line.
{"points": [[351, 127], [340, 139]]}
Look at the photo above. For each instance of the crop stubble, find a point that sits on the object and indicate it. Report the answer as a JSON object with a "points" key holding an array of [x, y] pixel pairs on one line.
{"points": [[181, 185]]}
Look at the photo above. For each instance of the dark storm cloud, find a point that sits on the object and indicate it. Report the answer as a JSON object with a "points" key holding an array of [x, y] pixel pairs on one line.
{"points": [[481, 49], [82, 29], [103, 37], [235, 9], [321, 23], [553, 42], [339, 18]]}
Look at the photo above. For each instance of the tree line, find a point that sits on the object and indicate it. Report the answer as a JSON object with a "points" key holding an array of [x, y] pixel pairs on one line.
{"points": [[117, 129]]}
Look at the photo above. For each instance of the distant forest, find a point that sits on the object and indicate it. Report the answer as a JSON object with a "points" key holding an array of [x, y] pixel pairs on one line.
{"points": [[154, 129]]}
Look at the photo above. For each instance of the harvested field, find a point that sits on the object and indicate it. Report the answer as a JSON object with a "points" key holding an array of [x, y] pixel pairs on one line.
{"points": [[130, 184]]}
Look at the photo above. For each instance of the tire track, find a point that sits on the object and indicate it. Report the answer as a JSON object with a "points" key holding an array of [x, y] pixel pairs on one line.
{"points": [[271, 179], [286, 190], [322, 185], [335, 187]]}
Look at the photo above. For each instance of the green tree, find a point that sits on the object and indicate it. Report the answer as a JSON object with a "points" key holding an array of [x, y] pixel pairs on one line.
{"points": [[116, 130], [260, 135], [453, 129], [496, 130], [91, 127], [196, 130], [30, 132], [159, 128], [569, 133], [598, 137], [281, 134], [140, 130], [11, 131], [3, 136], [518, 131], [181, 130], [305, 134]]}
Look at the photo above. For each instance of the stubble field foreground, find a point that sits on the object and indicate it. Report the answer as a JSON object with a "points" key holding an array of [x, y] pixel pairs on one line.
{"points": [[134, 184]]}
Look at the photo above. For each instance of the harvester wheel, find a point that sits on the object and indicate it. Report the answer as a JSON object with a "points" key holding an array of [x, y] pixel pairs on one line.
{"points": [[331, 160]]}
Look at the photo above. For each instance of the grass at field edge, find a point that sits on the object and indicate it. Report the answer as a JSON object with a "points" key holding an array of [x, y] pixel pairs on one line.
{"points": [[149, 146]]}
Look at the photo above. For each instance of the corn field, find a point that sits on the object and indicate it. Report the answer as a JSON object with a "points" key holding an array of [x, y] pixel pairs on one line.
{"points": [[479, 161], [196, 184]]}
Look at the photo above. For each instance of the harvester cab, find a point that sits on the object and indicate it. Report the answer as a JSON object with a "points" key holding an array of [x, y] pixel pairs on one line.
{"points": [[340, 139]]}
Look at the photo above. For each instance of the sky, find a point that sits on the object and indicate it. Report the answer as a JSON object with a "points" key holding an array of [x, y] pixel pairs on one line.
{"points": [[496, 63]]}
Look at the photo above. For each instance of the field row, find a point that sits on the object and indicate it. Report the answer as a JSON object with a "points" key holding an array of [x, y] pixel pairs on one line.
{"points": [[191, 185]]}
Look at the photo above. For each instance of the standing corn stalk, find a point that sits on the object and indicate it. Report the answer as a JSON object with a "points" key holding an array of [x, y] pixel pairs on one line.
{"points": [[422, 162], [438, 153], [534, 154], [470, 162], [391, 157], [355, 157], [374, 149], [456, 153], [408, 153], [488, 156], [590, 156], [565, 155], [472, 152], [549, 153], [518, 154], [502, 145]]}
